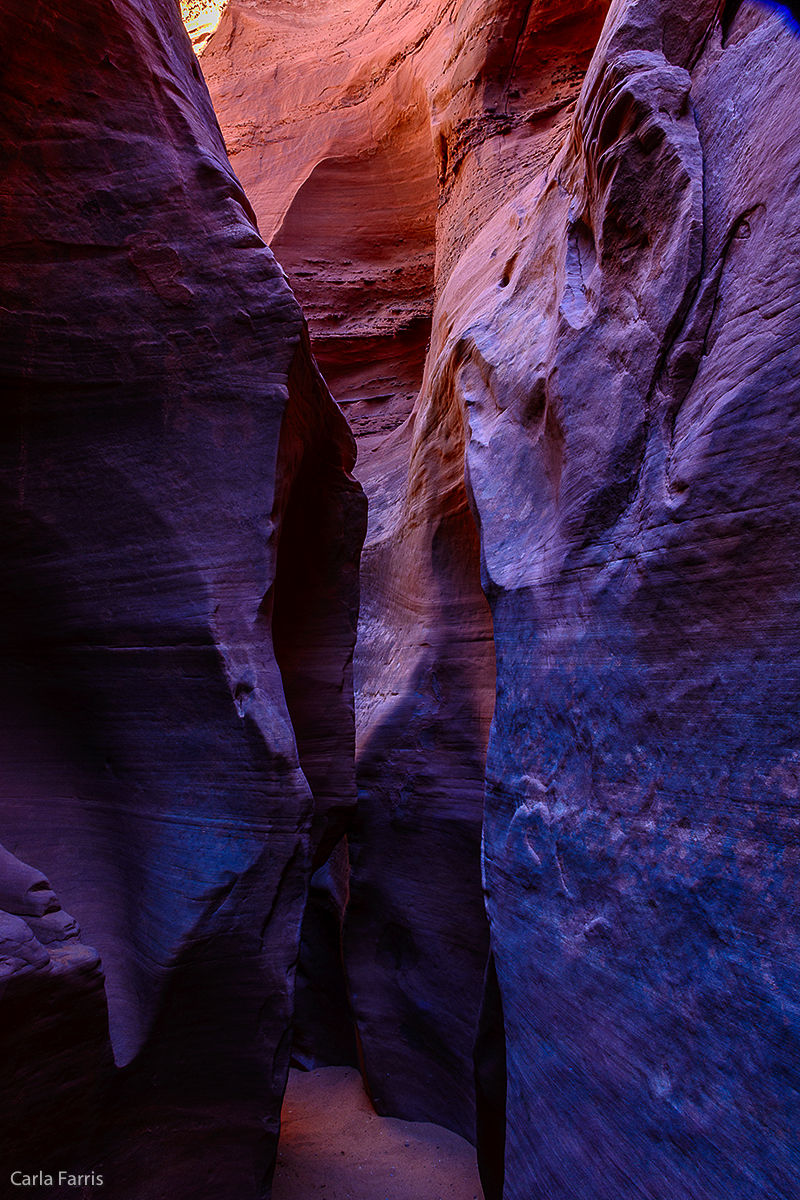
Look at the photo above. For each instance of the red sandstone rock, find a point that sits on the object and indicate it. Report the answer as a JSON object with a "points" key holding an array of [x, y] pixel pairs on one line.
{"points": [[326, 116], [174, 485], [614, 341], [374, 142]]}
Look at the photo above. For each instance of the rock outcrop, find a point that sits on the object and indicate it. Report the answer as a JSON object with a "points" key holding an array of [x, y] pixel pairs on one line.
{"points": [[54, 1044], [179, 580]]}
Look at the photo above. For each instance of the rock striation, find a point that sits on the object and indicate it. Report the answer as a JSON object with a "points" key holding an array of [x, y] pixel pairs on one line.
{"points": [[325, 116], [622, 338], [179, 581], [606, 430]]}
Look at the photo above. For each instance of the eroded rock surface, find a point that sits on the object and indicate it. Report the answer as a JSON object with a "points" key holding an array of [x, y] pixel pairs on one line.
{"points": [[612, 374], [375, 141], [623, 339], [54, 1043], [166, 437]]}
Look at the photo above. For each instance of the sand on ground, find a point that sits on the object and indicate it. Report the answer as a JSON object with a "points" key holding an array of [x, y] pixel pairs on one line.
{"points": [[333, 1146]]}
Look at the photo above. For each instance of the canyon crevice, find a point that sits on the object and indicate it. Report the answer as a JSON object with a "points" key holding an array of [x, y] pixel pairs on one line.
{"points": [[608, 399], [525, 849]]}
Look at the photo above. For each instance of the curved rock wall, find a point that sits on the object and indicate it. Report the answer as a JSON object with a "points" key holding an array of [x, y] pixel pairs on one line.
{"points": [[623, 338], [376, 142], [326, 118], [601, 219], [415, 931], [610, 383], [166, 435]]}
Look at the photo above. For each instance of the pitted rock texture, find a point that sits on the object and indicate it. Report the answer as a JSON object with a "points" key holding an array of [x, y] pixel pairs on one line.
{"points": [[166, 435], [623, 341]]}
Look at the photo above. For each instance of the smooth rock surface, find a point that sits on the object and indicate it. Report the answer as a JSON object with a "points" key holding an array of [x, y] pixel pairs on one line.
{"points": [[24, 890], [375, 139], [175, 482], [603, 225], [325, 117]]}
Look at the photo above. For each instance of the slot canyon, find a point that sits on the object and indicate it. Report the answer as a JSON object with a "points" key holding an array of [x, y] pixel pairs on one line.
{"points": [[401, 636]]}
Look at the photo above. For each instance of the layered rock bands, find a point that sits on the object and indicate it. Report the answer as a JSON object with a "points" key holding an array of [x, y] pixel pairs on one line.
{"points": [[548, 255], [179, 593], [599, 208]]}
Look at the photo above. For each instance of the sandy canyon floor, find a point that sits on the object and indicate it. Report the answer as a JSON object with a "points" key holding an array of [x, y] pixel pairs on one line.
{"points": [[334, 1146]]}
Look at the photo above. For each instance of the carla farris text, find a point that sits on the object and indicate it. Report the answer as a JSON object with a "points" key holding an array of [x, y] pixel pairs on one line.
{"points": [[62, 1178]]}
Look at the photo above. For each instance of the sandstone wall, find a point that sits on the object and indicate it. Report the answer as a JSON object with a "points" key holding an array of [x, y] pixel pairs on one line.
{"points": [[610, 393], [587, 522], [375, 141], [174, 476], [623, 338]]}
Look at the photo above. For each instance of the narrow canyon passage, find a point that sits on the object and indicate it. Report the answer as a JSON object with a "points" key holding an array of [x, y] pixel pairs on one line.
{"points": [[399, 619]]}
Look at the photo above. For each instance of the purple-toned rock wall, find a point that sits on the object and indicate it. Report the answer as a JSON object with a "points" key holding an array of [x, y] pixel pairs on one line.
{"points": [[587, 521], [627, 350], [54, 1044], [172, 463]]}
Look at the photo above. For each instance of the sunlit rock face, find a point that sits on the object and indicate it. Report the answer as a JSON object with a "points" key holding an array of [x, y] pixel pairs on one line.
{"points": [[201, 18], [179, 576]]}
